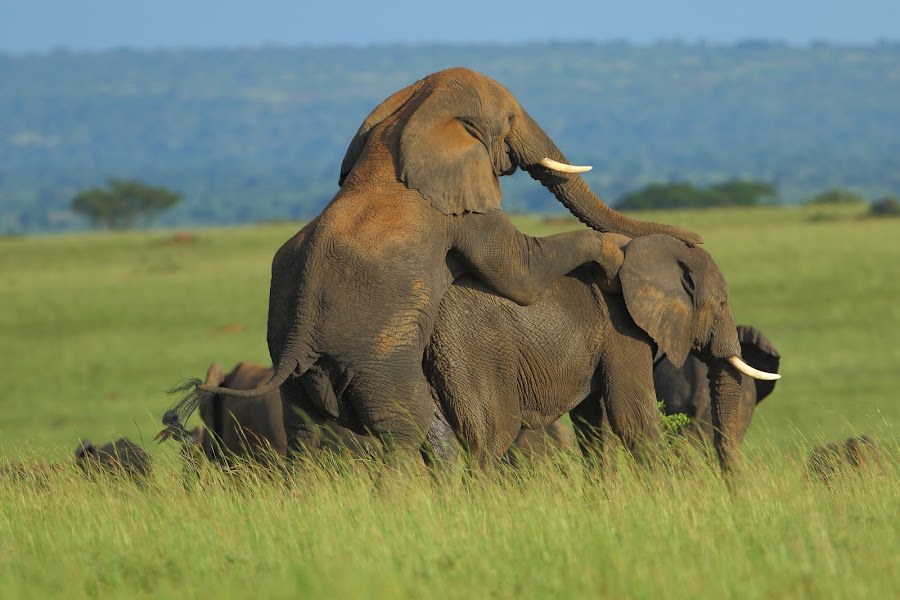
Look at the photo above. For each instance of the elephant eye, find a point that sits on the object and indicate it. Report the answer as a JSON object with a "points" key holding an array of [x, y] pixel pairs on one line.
{"points": [[471, 127], [687, 280]]}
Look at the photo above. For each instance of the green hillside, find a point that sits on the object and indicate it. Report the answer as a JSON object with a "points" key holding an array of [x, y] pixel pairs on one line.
{"points": [[250, 135]]}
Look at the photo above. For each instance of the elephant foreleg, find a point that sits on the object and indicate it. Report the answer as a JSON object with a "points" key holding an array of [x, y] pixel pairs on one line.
{"points": [[627, 385], [302, 422], [595, 438], [520, 267]]}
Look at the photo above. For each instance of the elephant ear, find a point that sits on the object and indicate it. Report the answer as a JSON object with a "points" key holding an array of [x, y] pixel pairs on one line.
{"points": [[214, 377], [379, 114], [442, 159], [758, 352], [658, 289]]}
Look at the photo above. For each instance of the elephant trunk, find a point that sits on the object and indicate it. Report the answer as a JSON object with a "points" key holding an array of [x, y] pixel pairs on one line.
{"points": [[725, 397], [533, 146]]}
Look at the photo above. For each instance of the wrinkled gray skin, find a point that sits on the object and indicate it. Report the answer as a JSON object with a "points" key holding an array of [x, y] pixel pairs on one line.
{"points": [[685, 390], [120, 458], [419, 205], [860, 454], [496, 366]]}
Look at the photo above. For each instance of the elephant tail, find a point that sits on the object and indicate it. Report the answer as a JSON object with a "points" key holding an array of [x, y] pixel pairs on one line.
{"points": [[194, 392], [284, 370]]}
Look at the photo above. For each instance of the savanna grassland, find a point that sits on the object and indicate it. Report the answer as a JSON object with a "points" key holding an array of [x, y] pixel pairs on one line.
{"points": [[96, 327]]}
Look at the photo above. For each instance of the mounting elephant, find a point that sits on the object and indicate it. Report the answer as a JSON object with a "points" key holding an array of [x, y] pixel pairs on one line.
{"points": [[496, 365], [419, 205], [685, 390]]}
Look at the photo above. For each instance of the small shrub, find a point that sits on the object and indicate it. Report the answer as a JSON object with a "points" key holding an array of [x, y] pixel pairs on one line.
{"points": [[886, 207], [835, 197], [672, 423]]}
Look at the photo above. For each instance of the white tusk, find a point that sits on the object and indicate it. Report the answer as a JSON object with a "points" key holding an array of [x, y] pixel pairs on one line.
{"points": [[749, 371], [563, 168]]}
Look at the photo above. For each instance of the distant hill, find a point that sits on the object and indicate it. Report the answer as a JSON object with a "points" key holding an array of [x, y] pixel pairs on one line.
{"points": [[258, 134]]}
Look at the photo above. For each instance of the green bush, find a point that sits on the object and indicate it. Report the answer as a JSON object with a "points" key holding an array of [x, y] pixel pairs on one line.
{"points": [[835, 197], [681, 194], [885, 207]]}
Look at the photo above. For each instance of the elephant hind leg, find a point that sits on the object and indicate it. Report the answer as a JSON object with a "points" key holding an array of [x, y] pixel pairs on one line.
{"points": [[302, 421], [592, 431], [398, 409]]}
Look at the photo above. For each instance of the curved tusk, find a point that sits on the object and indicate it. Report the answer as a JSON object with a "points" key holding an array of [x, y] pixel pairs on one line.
{"points": [[749, 371], [562, 167]]}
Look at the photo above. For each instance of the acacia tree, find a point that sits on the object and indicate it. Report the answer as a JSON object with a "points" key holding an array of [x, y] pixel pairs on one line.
{"points": [[122, 203]]}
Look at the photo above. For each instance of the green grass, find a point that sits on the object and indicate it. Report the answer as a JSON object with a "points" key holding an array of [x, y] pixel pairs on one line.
{"points": [[96, 327]]}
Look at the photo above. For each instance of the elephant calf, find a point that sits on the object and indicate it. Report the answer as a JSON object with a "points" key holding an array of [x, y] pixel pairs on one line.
{"points": [[239, 428], [858, 454], [685, 390], [120, 458], [234, 429]]}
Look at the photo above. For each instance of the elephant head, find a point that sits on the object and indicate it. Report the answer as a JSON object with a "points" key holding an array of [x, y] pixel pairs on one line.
{"points": [[451, 136], [685, 390], [679, 297]]}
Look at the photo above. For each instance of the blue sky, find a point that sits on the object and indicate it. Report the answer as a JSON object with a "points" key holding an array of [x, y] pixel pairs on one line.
{"points": [[42, 25]]}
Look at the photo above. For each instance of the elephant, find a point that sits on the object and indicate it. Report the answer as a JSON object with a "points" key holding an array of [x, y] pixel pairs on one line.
{"points": [[859, 454], [122, 458], [239, 428], [586, 347], [236, 428], [418, 206], [685, 390]]}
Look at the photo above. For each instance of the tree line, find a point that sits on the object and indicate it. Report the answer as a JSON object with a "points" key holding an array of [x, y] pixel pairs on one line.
{"points": [[258, 134], [125, 203]]}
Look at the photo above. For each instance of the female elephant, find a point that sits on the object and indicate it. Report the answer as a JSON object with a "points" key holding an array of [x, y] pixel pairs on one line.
{"points": [[419, 205], [582, 349], [685, 390]]}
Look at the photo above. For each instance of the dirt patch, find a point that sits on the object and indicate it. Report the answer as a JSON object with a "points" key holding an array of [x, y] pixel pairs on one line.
{"points": [[234, 328], [183, 237], [560, 220]]}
